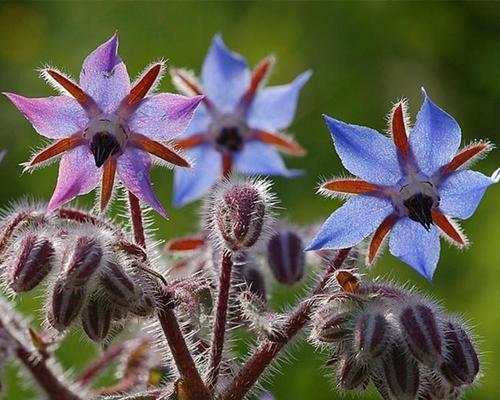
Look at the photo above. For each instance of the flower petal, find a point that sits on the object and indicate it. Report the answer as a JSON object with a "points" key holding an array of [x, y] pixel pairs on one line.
{"points": [[351, 223], [225, 76], [365, 152], [77, 175], [435, 138], [163, 116], [415, 246], [134, 166], [191, 184], [461, 193], [200, 123], [104, 76], [273, 108], [53, 117], [262, 159]]}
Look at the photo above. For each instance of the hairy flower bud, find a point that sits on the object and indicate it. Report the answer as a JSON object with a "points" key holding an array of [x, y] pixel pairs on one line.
{"points": [[422, 334], [286, 257], [461, 364], [371, 335], [351, 374], [118, 286], [32, 264], [96, 319], [66, 303], [335, 328], [401, 373], [239, 212], [83, 261]]}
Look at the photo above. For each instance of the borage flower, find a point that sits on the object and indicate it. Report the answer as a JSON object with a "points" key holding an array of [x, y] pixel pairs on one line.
{"points": [[238, 123], [106, 125], [410, 187]]}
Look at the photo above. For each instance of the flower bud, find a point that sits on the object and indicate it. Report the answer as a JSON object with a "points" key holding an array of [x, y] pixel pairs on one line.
{"points": [[83, 261], [239, 213], [434, 387], [371, 335], [66, 303], [401, 373], [351, 374], [286, 257], [32, 264], [96, 320], [118, 286], [144, 306], [335, 328], [422, 334], [254, 281], [461, 364]]}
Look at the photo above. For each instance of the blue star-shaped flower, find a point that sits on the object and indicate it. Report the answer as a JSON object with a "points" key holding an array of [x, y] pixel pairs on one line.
{"points": [[409, 187], [238, 124]]}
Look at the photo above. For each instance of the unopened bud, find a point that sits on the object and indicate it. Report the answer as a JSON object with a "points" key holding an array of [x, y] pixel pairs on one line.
{"points": [[32, 263], [461, 364], [352, 374], [144, 306], [83, 261], [434, 387], [118, 286], [254, 281], [335, 328], [371, 335], [96, 319], [286, 257], [67, 301], [401, 373], [422, 334], [239, 213]]}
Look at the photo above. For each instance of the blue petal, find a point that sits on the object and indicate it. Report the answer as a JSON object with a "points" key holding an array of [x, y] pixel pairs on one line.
{"points": [[461, 193], [225, 76], [351, 223], [365, 152], [415, 246], [200, 122], [273, 108], [435, 138], [262, 159], [191, 184]]}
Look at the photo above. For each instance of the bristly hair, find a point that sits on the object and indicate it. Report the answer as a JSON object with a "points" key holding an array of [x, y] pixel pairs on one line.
{"points": [[157, 80], [52, 82], [406, 117], [180, 84]]}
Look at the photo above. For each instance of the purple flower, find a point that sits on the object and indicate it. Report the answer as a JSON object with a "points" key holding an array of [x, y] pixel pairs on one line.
{"points": [[238, 123], [410, 187], [106, 125]]}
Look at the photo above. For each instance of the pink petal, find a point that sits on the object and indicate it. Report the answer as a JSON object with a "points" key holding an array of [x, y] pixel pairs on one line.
{"points": [[104, 76], [53, 117], [134, 166], [77, 175], [163, 116]]}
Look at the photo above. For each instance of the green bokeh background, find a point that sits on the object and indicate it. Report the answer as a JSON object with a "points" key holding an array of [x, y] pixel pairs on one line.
{"points": [[364, 56]]}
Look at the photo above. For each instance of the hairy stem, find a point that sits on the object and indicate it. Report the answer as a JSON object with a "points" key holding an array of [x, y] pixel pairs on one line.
{"points": [[137, 223], [268, 350], [102, 363], [220, 319]]}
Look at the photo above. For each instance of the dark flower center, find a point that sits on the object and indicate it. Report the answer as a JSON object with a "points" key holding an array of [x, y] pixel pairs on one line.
{"points": [[419, 209], [229, 139], [103, 145]]}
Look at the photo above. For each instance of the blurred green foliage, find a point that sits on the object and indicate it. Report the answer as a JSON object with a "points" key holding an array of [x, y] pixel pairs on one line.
{"points": [[364, 56]]}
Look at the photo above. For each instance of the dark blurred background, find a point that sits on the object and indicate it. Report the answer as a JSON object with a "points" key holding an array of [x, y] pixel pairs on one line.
{"points": [[364, 56]]}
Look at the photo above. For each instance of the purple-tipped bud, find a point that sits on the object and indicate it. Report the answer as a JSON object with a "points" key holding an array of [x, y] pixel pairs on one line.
{"points": [[118, 286], [422, 334], [461, 364], [96, 320], [239, 213], [401, 373], [286, 257], [83, 261], [371, 335], [32, 264], [352, 374], [66, 303], [335, 328]]}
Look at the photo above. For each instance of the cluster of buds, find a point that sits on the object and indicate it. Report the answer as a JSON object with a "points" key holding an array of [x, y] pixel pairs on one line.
{"points": [[402, 342]]}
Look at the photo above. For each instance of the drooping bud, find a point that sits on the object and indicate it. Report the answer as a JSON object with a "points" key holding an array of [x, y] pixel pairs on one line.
{"points": [[83, 261], [66, 303], [118, 286], [371, 335], [435, 387], [96, 319], [286, 257], [401, 373], [335, 328], [32, 264], [352, 374], [239, 212], [422, 334], [461, 364]]}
